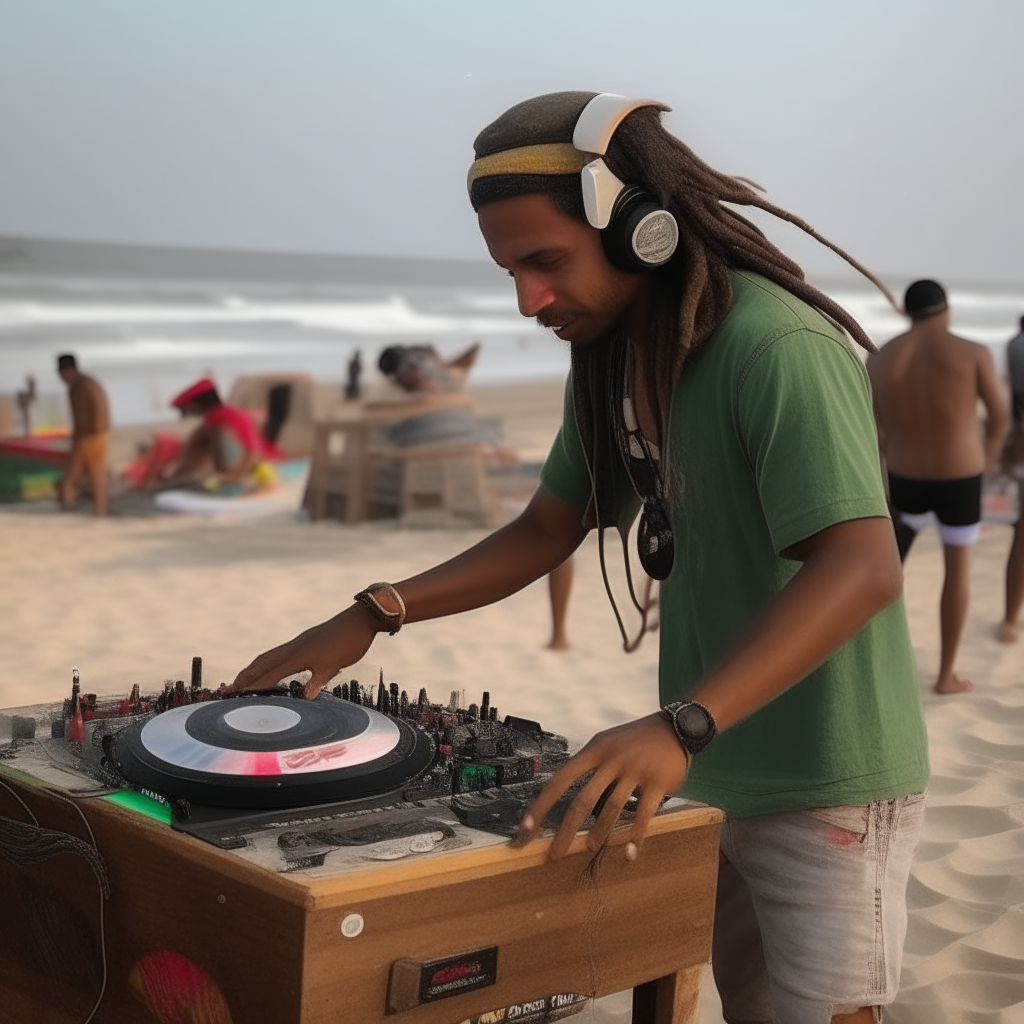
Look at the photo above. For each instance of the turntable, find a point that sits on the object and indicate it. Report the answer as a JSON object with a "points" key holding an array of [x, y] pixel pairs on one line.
{"points": [[267, 752], [353, 865]]}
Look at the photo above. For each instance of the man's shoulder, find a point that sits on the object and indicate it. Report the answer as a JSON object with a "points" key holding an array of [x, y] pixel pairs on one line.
{"points": [[888, 350], [768, 322], [894, 343], [975, 348], [960, 351], [763, 311]]}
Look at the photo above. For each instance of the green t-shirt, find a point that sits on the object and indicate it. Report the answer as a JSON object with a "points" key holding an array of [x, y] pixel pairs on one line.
{"points": [[771, 439]]}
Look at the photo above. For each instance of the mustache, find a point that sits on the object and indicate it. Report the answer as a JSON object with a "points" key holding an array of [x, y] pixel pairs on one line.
{"points": [[556, 317]]}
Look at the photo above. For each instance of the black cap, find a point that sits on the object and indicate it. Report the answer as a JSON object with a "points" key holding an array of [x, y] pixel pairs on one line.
{"points": [[66, 362], [924, 298]]}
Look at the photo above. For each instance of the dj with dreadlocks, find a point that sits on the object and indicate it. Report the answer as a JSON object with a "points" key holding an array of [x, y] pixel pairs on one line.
{"points": [[717, 394]]}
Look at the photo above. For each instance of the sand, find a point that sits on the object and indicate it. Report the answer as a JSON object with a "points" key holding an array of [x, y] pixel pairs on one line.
{"points": [[132, 599]]}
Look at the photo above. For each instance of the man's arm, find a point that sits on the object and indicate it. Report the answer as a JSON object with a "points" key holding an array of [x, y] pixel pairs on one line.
{"points": [[539, 540], [850, 572], [997, 421]]}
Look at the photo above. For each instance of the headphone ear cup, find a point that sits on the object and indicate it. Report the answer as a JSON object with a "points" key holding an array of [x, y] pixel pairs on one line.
{"points": [[641, 234]]}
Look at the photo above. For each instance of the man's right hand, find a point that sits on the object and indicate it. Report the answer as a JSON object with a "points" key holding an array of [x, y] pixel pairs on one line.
{"points": [[323, 650]]}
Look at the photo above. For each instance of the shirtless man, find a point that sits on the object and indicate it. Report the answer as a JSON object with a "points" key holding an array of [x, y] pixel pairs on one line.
{"points": [[927, 383], [90, 431]]}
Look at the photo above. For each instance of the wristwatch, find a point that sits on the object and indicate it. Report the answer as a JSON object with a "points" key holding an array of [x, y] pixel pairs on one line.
{"points": [[692, 723]]}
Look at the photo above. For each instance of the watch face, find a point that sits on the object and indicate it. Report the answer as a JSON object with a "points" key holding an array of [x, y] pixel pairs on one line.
{"points": [[692, 722]]}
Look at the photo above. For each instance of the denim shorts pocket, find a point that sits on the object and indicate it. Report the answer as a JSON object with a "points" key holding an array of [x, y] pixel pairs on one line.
{"points": [[911, 812], [850, 818]]}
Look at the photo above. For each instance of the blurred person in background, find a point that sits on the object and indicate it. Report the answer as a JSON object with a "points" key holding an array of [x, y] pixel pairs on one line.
{"points": [[559, 589], [420, 369], [1013, 466], [927, 383], [226, 452], [90, 435]]}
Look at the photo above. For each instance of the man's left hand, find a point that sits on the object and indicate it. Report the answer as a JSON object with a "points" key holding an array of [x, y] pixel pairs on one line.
{"points": [[644, 755]]}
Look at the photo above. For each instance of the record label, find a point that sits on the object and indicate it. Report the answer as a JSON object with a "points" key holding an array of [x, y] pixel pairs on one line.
{"points": [[269, 739]]}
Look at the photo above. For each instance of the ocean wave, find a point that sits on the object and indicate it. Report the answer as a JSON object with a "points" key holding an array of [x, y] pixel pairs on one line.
{"points": [[145, 340]]}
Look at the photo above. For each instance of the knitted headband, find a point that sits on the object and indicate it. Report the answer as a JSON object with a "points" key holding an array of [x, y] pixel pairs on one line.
{"points": [[529, 149]]}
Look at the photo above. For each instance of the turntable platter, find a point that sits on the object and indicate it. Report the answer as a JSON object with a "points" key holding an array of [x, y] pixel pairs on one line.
{"points": [[268, 752]]}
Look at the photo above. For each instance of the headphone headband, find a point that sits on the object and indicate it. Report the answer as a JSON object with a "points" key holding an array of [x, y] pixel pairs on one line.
{"points": [[600, 117], [593, 134]]}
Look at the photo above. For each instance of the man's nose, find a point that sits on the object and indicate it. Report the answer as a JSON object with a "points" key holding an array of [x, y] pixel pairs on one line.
{"points": [[533, 295]]}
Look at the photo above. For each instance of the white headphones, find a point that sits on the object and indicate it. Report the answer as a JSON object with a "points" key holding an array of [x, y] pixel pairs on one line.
{"points": [[637, 232]]}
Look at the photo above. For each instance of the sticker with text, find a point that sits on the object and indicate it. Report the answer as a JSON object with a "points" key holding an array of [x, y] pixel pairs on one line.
{"points": [[536, 1011]]}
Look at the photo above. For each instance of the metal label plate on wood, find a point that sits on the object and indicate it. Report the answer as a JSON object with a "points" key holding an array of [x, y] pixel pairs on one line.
{"points": [[417, 981]]}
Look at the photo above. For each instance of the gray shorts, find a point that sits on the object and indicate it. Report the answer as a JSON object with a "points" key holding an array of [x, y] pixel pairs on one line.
{"points": [[811, 912]]}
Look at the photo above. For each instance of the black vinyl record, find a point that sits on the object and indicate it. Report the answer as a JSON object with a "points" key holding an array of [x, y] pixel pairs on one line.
{"points": [[271, 752]]}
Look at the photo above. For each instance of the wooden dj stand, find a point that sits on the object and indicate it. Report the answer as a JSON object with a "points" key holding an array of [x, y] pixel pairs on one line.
{"points": [[443, 939]]}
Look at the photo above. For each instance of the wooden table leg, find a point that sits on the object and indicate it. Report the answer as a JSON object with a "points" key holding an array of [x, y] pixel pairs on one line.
{"points": [[673, 999], [357, 505]]}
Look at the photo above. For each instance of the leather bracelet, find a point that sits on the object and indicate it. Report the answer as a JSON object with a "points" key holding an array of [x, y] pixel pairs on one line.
{"points": [[391, 621], [692, 741]]}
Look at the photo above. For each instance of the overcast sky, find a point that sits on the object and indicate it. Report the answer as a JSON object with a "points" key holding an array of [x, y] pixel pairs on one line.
{"points": [[896, 127]]}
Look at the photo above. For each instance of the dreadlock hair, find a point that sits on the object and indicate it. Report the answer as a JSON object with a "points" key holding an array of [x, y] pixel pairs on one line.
{"points": [[692, 294]]}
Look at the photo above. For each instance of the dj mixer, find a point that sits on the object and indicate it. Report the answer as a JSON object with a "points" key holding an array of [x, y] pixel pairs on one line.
{"points": [[345, 857], [253, 771]]}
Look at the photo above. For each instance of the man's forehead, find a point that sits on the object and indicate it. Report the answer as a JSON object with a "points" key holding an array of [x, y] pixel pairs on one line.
{"points": [[525, 214], [525, 224]]}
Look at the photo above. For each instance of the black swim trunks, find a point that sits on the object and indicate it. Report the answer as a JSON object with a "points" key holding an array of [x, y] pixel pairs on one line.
{"points": [[956, 504]]}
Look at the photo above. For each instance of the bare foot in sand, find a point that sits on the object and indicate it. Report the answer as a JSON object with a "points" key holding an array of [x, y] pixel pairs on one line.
{"points": [[559, 643], [1008, 632], [953, 684]]}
